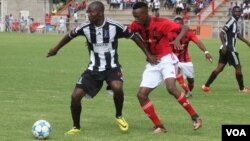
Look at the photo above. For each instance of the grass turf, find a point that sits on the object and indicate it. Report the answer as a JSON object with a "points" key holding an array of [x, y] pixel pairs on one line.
{"points": [[34, 87]]}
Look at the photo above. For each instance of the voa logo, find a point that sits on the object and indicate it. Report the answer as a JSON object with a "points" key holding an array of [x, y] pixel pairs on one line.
{"points": [[236, 132]]}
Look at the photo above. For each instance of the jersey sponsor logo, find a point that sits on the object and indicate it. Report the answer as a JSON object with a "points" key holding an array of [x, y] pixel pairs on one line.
{"points": [[102, 47]]}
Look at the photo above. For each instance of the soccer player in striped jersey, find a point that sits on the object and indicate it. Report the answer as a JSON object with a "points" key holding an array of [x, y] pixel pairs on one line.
{"points": [[228, 53], [154, 31], [185, 64], [102, 36]]}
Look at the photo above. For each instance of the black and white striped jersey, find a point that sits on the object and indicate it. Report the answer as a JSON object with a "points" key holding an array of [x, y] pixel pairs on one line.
{"points": [[102, 42], [231, 30]]}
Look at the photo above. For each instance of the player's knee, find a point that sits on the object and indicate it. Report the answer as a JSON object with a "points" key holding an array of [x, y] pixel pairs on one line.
{"points": [[238, 72], [117, 89], [171, 89], [142, 96], [116, 85], [77, 95], [76, 98]]}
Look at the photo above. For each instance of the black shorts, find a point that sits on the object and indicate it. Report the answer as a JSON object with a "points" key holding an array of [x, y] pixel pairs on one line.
{"points": [[231, 57], [92, 81]]}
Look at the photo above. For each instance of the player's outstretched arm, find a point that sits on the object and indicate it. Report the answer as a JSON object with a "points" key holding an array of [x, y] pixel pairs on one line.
{"points": [[203, 48], [64, 41]]}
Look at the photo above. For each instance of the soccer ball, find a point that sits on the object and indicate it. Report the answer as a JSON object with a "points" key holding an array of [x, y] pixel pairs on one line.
{"points": [[41, 129]]}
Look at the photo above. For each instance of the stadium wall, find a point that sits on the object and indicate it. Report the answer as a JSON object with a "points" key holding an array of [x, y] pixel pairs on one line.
{"points": [[37, 8]]}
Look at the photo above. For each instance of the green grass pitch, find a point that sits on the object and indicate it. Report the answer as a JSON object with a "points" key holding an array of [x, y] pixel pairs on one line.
{"points": [[34, 87]]}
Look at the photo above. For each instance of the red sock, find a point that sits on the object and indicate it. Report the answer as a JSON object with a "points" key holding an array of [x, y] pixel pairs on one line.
{"points": [[148, 108], [181, 98], [181, 81], [180, 78]]}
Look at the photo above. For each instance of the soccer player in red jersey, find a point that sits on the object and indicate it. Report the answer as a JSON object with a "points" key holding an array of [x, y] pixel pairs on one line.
{"points": [[154, 31], [185, 64]]}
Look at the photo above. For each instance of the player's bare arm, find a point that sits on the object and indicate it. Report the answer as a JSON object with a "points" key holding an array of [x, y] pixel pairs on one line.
{"points": [[139, 41], [239, 36], [177, 42], [64, 41], [203, 48], [223, 41]]}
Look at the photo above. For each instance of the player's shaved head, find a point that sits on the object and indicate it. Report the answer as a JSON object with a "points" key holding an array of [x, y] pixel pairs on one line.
{"points": [[236, 8], [97, 5], [96, 13], [140, 13], [236, 12], [140, 5]]}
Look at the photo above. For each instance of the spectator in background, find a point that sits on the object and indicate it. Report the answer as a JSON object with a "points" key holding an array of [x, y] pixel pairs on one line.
{"points": [[67, 23], [230, 8], [71, 9], [61, 26], [7, 24], [199, 6], [206, 2], [47, 19], [22, 24], [82, 5], [185, 15], [77, 5], [236, 3], [28, 24], [168, 4], [31, 26], [121, 6], [244, 4], [132, 2], [125, 2], [246, 12], [150, 3], [75, 18], [156, 7], [113, 4], [11, 20], [179, 7]]}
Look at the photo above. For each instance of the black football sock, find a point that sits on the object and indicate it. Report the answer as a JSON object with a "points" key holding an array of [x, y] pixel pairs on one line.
{"points": [[190, 83], [211, 78], [118, 100], [76, 112], [239, 78]]}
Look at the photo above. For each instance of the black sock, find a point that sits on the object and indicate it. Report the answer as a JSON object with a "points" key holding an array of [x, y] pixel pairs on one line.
{"points": [[211, 78], [118, 100], [239, 78], [76, 112]]}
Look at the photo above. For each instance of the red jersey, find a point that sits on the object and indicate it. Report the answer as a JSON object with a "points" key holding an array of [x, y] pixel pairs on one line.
{"points": [[156, 34], [183, 55]]}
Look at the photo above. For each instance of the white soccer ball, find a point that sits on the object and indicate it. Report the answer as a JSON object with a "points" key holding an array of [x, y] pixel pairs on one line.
{"points": [[41, 129]]}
